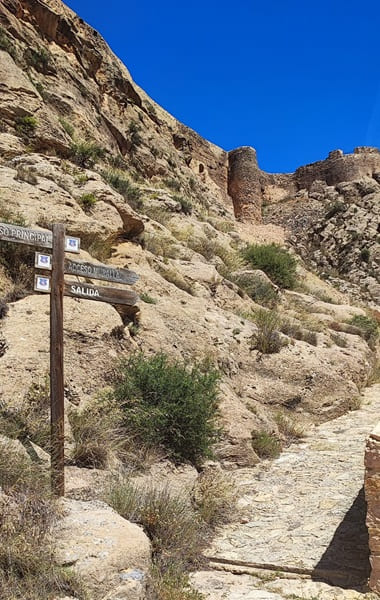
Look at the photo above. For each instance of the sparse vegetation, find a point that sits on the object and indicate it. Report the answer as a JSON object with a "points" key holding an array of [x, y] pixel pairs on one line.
{"points": [[267, 339], [172, 184], [135, 138], [6, 43], [266, 445], [85, 153], [260, 291], [26, 126], [87, 202], [120, 182], [160, 245], [145, 297], [67, 127], [39, 58], [290, 426], [169, 405], [186, 204], [17, 259], [27, 566], [368, 327], [157, 213], [26, 174], [173, 276], [275, 261], [214, 497], [96, 431], [294, 330], [30, 419]]}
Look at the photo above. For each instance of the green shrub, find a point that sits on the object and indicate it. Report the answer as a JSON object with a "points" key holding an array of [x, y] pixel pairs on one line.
{"points": [[186, 204], [260, 291], [135, 138], [146, 298], [6, 44], [267, 339], [85, 153], [266, 445], [87, 202], [39, 58], [275, 261], [172, 184], [67, 126], [169, 405], [118, 180], [368, 327], [26, 126]]}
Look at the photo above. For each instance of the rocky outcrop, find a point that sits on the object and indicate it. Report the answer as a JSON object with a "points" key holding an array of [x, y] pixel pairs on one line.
{"points": [[372, 492], [110, 553]]}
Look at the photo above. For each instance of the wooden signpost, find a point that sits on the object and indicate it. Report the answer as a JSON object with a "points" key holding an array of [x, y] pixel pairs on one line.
{"points": [[54, 284]]}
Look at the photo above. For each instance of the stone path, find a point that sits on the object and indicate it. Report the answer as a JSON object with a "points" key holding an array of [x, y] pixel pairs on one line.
{"points": [[303, 515]]}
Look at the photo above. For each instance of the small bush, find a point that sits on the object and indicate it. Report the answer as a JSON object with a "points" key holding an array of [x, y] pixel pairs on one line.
{"points": [[160, 245], [135, 138], [186, 204], [275, 261], [174, 277], [295, 331], [214, 497], [172, 184], [4, 308], [26, 174], [118, 180], [368, 327], [87, 202], [266, 445], [289, 426], [30, 420], [39, 58], [157, 213], [85, 153], [67, 126], [27, 563], [260, 291], [26, 126], [96, 433], [267, 339], [169, 405], [365, 254], [17, 259], [6, 44], [146, 298]]}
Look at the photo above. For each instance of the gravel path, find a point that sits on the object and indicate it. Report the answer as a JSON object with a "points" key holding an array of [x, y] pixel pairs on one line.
{"points": [[302, 515]]}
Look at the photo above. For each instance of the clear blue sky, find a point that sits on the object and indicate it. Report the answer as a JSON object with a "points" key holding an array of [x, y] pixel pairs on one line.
{"points": [[292, 78]]}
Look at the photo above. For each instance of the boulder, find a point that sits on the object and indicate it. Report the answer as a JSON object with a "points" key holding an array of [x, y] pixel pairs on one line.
{"points": [[110, 553]]}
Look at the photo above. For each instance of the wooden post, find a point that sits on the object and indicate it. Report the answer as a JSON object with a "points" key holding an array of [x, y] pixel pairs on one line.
{"points": [[56, 362]]}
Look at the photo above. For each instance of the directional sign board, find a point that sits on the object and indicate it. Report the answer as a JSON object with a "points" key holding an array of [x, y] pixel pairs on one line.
{"points": [[81, 268], [100, 293], [35, 237], [53, 283], [104, 272]]}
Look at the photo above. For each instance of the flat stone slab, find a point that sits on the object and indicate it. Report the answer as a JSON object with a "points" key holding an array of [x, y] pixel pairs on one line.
{"points": [[306, 509]]}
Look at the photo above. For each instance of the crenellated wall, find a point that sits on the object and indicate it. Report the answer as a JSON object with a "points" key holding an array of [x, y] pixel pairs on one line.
{"points": [[372, 493], [249, 186]]}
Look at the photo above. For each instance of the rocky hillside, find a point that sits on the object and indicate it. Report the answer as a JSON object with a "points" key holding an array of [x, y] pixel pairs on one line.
{"points": [[81, 143]]}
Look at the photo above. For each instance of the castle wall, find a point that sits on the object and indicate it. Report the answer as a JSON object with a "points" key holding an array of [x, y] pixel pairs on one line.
{"points": [[372, 493]]}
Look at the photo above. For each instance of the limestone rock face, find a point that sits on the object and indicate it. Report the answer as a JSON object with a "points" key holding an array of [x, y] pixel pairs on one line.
{"points": [[112, 554], [372, 492]]}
